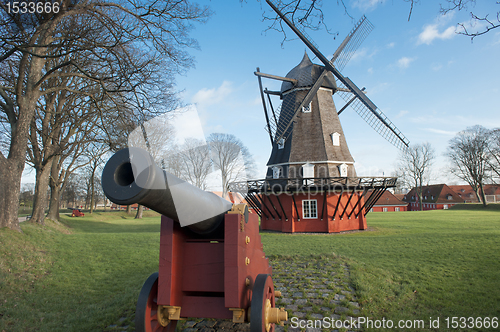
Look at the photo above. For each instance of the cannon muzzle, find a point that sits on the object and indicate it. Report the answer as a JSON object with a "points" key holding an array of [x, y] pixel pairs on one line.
{"points": [[131, 176]]}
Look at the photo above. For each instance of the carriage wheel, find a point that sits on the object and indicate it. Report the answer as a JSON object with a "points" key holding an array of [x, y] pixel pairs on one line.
{"points": [[146, 312], [262, 301]]}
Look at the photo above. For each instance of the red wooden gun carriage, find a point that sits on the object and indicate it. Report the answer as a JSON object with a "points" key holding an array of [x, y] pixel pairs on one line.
{"points": [[214, 268]]}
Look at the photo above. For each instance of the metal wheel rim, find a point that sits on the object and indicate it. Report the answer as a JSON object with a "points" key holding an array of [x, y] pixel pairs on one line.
{"points": [[146, 312], [263, 290]]}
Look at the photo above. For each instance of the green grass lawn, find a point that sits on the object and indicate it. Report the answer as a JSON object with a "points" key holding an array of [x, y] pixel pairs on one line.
{"points": [[416, 265], [86, 274]]}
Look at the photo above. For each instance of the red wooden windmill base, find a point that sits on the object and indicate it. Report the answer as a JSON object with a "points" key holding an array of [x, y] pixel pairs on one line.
{"points": [[318, 205]]}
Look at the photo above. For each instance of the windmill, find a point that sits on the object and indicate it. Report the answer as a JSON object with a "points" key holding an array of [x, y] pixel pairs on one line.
{"points": [[309, 149]]}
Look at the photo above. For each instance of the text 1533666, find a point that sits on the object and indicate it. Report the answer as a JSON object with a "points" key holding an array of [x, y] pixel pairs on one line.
{"points": [[32, 7]]}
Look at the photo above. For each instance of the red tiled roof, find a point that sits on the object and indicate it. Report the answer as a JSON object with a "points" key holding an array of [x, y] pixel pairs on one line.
{"points": [[437, 193], [234, 198], [388, 198], [466, 193]]}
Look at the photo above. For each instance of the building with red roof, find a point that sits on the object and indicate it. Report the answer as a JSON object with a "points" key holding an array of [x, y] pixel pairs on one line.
{"points": [[434, 197], [388, 202], [491, 191]]}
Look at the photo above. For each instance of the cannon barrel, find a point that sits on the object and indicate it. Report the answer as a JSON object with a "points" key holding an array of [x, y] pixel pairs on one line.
{"points": [[131, 176]]}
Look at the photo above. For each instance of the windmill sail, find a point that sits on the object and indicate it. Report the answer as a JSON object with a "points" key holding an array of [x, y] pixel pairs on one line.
{"points": [[351, 43], [362, 104], [375, 118], [340, 58]]}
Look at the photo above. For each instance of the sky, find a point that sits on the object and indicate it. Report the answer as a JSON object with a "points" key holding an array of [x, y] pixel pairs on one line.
{"points": [[428, 80]]}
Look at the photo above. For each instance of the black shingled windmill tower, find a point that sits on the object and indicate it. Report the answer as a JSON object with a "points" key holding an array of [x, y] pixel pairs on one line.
{"points": [[311, 184]]}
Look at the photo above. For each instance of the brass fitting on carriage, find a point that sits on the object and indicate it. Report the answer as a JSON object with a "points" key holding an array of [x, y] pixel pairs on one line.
{"points": [[240, 209], [238, 315], [168, 313], [275, 315]]}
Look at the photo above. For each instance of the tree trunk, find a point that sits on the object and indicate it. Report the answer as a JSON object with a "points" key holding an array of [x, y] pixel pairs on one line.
{"points": [[54, 203], [138, 215], [129, 209], [419, 194], [55, 193], [92, 187], [476, 190], [10, 184], [481, 191], [41, 190]]}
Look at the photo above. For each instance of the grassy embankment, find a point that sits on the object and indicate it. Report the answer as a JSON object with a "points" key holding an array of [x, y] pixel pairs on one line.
{"points": [[85, 274]]}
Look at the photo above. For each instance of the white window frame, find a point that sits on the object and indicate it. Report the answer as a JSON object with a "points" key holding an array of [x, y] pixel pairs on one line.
{"points": [[343, 170], [308, 170], [384, 209], [312, 206], [396, 209], [281, 143], [276, 172], [307, 109], [335, 139]]}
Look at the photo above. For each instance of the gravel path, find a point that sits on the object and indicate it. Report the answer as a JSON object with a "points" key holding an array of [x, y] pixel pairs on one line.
{"points": [[312, 289]]}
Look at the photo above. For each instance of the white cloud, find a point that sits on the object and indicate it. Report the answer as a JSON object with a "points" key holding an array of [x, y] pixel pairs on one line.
{"points": [[370, 70], [440, 131], [430, 33], [363, 53], [436, 66], [401, 114], [391, 45], [404, 62], [206, 97], [367, 4]]}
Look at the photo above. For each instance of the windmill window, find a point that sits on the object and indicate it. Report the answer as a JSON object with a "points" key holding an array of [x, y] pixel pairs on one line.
{"points": [[449, 197], [281, 143], [307, 108], [276, 172], [310, 209], [308, 171], [336, 139], [343, 170]]}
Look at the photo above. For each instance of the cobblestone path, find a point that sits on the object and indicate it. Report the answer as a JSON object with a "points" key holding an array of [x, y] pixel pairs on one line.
{"points": [[312, 288]]}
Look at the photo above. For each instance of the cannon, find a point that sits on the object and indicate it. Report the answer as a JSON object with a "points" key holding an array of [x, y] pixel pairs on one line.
{"points": [[212, 263], [75, 212]]}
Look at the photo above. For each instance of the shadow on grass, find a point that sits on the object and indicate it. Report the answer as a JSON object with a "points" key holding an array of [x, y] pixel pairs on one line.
{"points": [[147, 225], [477, 207]]}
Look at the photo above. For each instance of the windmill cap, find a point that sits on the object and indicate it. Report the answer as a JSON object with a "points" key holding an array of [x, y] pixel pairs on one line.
{"points": [[306, 73]]}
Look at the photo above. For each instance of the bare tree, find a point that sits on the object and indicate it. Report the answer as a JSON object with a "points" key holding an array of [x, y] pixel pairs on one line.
{"points": [[414, 166], [469, 157], [195, 162], [306, 14], [65, 163], [479, 23], [494, 152], [231, 158], [74, 191], [26, 197], [94, 155], [128, 41]]}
